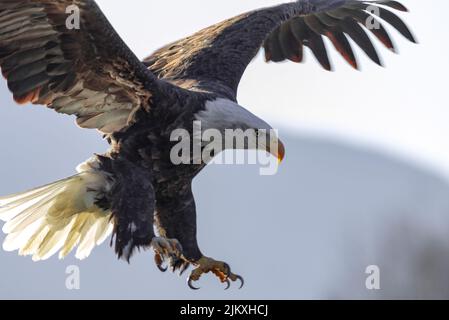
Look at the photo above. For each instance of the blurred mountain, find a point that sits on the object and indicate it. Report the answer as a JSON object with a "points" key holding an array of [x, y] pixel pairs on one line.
{"points": [[332, 211]]}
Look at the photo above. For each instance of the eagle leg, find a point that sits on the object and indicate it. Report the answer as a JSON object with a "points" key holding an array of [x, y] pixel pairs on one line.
{"points": [[176, 219], [221, 269]]}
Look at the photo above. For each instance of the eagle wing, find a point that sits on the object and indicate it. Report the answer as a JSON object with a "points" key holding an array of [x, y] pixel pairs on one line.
{"points": [[87, 71], [222, 52]]}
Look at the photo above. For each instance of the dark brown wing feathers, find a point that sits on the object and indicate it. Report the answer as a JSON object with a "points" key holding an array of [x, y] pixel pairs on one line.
{"points": [[222, 52], [88, 72]]}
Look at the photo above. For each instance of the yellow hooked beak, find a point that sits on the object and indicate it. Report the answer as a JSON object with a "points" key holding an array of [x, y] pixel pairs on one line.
{"points": [[278, 152]]}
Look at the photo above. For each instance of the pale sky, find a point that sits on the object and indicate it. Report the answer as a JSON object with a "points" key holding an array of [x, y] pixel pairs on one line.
{"points": [[401, 108]]}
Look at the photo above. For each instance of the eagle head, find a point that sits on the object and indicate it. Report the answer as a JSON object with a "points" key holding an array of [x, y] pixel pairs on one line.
{"points": [[229, 117]]}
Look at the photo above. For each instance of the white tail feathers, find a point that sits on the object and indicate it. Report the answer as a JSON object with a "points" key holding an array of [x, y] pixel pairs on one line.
{"points": [[58, 216]]}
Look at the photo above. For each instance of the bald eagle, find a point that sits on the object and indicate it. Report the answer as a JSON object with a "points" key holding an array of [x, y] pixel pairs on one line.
{"points": [[135, 192]]}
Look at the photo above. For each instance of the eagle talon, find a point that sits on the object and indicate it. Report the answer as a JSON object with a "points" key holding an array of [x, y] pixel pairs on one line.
{"points": [[183, 268], [162, 269], [220, 269], [242, 281], [168, 250], [228, 269], [167, 247], [191, 286], [177, 263], [159, 260]]}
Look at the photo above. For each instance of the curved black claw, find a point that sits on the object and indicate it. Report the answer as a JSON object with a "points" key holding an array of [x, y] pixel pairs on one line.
{"points": [[228, 269], [242, 281], [183, 269], [161, 268], [175, 263], [159, 260], [176, 266], [189, 283], [237, 277]]}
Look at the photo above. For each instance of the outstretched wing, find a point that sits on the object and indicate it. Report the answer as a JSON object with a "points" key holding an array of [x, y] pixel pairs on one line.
{"points": [[222, 52], [87, 71]]}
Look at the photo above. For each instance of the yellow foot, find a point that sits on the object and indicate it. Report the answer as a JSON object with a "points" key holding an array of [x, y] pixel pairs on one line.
{"points": [[168, 250], [220, 269]]}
